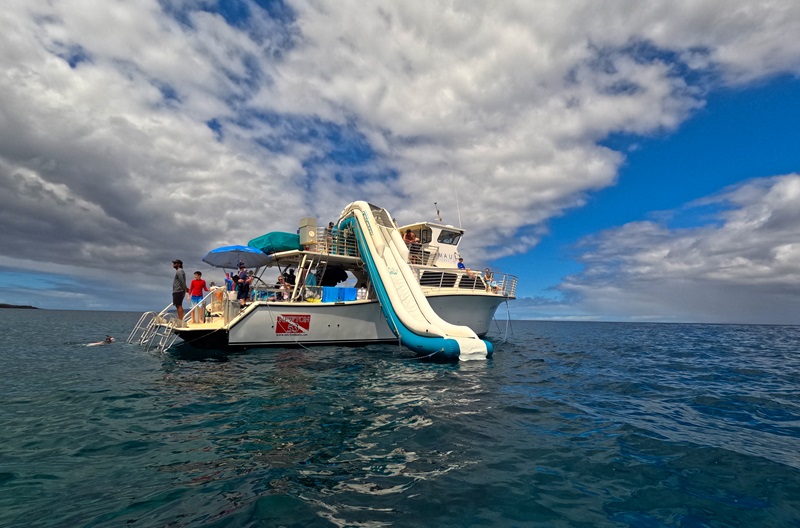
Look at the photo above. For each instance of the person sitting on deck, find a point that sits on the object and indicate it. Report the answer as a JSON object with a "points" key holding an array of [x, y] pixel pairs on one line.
{"points": [[488, 279], [281, 286], [461, 266]]}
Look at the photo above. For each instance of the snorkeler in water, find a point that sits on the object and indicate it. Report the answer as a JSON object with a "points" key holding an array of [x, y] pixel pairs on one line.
{"points": [[107, 341]]}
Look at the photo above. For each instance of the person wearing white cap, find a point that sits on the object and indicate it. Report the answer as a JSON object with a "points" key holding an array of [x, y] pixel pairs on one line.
{"points": [[242, 281]]}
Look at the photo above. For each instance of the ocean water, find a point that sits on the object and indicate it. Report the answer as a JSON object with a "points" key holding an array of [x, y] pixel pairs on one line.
{"points": [[570, 424]]}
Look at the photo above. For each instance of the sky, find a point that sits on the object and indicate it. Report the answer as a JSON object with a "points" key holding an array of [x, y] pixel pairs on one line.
{"points": [[627, 160]]}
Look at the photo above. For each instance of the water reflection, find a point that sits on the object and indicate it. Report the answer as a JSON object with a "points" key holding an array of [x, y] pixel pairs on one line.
{"points": [[329, 425]]}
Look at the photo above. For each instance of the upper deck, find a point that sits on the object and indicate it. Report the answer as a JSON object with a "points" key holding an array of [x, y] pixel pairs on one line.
{"points": [[434, 260]]}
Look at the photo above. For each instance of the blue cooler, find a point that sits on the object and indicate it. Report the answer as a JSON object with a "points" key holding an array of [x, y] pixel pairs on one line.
{"points": [[348, 294], [330, 294]]}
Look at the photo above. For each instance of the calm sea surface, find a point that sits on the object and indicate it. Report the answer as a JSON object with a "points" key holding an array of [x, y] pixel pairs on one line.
{"points": [[570, 424]]}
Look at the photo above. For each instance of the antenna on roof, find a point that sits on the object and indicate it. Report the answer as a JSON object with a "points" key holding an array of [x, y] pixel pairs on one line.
{"points": [[438, 214], [458, 207]]}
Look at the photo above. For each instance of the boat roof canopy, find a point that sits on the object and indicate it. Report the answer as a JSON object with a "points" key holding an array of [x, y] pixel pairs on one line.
{"points": [[295, 257], [276, 242]]}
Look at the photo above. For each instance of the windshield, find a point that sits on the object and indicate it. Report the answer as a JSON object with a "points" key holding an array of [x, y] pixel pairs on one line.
{"points": [[449, 237]]}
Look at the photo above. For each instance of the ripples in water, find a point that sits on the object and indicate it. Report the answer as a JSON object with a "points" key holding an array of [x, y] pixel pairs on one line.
{"points": [[569, 425]]}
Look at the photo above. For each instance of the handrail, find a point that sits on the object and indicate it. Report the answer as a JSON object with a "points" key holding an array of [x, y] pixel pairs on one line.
{"points": [[303, 292], [154, 329], [335, 242], [452, 278], [425, 256]]}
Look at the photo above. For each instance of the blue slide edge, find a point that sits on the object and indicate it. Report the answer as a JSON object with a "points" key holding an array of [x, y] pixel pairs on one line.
{"points": [[447, 348]]}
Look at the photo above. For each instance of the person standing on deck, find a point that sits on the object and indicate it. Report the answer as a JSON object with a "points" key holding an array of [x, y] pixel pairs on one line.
{"points": [[329, 236], [414, 247], [242, 281], [196, 289], [179, 288]]}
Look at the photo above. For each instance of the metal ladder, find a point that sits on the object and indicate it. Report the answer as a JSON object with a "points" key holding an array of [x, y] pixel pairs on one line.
{"points": [[303, 270], [154, 331]]}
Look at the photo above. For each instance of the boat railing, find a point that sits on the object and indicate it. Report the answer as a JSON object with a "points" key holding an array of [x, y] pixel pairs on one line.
{"points": [[506, 284], [501, 283], [335, 242], [276, 294], [218, 303], [154, 330], [303, 293], [417, 254]]}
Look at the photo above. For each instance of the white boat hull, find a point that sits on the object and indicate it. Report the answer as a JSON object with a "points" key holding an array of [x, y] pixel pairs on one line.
{"points": [[270, 324], [274, 324], [474, 311]]}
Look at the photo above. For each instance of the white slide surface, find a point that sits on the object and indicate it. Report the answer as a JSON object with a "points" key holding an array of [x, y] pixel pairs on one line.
{"points": [[389, 254]]}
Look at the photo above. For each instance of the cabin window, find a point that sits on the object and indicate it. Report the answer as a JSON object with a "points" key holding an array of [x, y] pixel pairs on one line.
{"points": [[438, 279], [425, 235], [469, 283], [449, 237]]}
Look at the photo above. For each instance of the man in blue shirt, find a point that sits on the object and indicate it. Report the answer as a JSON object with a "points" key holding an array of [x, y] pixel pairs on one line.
{"points": [[463, 267]]}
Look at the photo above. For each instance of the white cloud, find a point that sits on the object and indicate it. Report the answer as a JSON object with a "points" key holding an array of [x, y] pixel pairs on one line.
{"points": [[512, 100], [743, 270]]}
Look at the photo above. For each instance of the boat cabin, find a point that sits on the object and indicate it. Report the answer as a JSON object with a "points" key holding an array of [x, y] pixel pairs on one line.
{"points": [[437, 246]]}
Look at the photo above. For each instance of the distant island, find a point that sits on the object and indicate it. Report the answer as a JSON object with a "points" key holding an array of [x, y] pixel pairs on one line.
{"points": [[18, 306]]}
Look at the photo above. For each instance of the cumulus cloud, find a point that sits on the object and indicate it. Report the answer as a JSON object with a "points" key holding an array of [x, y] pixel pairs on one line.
{"points": [[514, 98], [134, 132], [745, 267]]}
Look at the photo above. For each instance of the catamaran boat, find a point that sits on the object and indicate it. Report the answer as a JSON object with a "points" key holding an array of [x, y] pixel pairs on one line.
{"points": [[414, 293]]}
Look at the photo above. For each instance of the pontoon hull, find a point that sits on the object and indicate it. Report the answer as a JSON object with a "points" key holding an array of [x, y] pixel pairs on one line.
{"points": [[283, 324], [277, 324], [474, 311]]}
